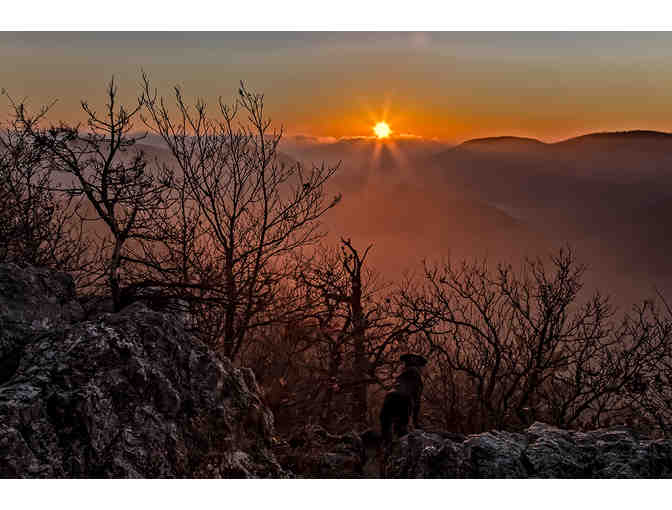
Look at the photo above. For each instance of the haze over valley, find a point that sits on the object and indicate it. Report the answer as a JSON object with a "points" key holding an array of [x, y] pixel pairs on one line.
{"points": [[605, 194]]}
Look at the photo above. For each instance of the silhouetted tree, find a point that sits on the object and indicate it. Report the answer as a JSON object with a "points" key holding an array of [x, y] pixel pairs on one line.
{"points": [[513, 348], [645, 401], [121, 192], [38, 225], [254, 209], [357, 334]]}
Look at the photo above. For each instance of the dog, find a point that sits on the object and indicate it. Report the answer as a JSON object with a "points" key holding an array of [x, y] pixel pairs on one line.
{"points": [[399, 405], [403, 402]]}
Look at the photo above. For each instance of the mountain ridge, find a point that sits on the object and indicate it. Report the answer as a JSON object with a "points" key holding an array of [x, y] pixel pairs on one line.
{"points": [[634, 135]]}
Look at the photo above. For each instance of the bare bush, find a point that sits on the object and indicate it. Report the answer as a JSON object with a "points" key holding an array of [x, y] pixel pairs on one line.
{"points": [[646, 365], [510, 348]]}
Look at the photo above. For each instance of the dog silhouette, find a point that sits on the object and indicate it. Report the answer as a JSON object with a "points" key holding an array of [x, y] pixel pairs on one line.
{"points": [[403, 402]]}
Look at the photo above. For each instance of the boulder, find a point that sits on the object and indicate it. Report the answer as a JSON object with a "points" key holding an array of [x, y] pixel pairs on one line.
{"points": [[540, 451], [129, 394], [32, 301]]}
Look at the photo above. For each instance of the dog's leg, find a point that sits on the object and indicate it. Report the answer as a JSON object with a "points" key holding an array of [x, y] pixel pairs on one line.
{"points": [[416, 413], [382, 461], [411, 414], [385, 425], [402, 425]]}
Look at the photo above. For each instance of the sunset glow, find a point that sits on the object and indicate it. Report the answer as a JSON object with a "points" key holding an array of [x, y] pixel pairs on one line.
{"points": [[463, 85], [382, 130]]}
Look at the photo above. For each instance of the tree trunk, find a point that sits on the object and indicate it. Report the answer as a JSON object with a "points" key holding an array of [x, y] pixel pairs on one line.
{"points": [[115, 288], [360, 413]]}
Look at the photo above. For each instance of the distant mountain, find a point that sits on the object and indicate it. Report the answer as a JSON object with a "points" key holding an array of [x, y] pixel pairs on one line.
{"points": [[627, 156], [501, 144], [610, 194], [611, 137], [530, 173], [151, 139], [154, 145]]}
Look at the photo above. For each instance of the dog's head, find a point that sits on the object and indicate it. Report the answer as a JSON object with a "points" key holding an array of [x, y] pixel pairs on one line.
{"points": [[413, 360]]}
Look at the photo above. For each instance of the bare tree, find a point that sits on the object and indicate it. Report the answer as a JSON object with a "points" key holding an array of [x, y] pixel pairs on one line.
{"points": [[38, 225], [172, 267], [646, 362], [254, 209], [357, 333], [121, 192], [513, 348]]}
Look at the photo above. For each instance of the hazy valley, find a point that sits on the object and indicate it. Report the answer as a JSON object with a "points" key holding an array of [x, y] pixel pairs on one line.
{"points": [[607, 195]]}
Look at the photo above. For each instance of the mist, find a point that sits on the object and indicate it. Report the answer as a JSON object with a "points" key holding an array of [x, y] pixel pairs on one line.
{"points": [[503, 199]]}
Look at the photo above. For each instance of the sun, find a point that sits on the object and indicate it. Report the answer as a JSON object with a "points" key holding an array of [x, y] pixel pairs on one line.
{"points": [[382, 130]]}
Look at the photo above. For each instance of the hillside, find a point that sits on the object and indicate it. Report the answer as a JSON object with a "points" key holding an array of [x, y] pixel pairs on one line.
{"points": [[608, 194]]}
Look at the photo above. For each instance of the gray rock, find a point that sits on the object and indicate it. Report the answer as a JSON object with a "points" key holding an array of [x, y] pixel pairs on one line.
{"points": [[315, 453], [32, 301], [125, 395], [496, 454], [540, 451]]}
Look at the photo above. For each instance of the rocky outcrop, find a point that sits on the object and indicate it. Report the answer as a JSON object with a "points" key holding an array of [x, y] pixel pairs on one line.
{"points": [[313, 452], [125, 395], [540, 451], [32, 301]]}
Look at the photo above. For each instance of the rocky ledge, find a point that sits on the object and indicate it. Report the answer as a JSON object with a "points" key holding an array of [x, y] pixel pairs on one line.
{"points": [[125, 395], [540, 451]]}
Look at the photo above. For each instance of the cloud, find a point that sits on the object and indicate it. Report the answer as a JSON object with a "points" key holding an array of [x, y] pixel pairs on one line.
{"points": [[309, 139]]}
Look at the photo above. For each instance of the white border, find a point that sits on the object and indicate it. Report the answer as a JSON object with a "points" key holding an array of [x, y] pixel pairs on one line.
{"points": [[336, 15]]}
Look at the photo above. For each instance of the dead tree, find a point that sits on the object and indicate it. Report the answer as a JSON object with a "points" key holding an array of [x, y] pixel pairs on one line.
{"points": [[357, 333]]}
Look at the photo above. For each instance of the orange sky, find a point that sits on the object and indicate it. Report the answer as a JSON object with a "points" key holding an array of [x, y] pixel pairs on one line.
{"points": [[446, 85]]}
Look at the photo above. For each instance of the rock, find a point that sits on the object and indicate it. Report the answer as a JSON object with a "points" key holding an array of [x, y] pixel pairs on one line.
{"points": [[424, 455], [32, 301], [496, 454], [125, 395], [313, 452], [540, 451]]}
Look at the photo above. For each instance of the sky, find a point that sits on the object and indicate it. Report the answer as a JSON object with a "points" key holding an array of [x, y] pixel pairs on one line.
{"points": [[450, 86]]}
